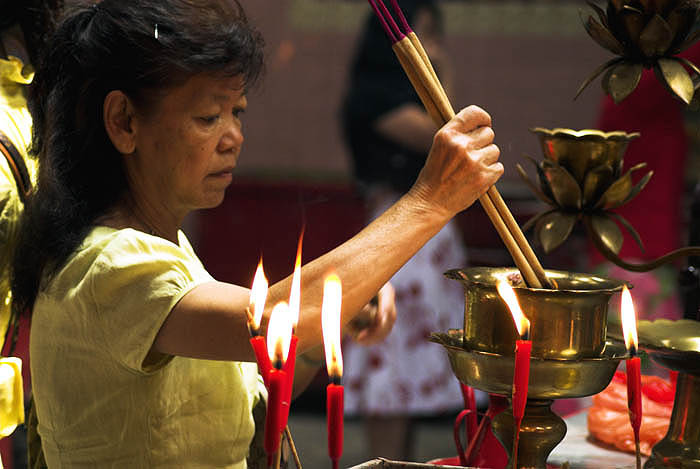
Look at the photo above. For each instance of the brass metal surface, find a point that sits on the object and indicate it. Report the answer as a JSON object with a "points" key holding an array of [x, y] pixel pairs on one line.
{"points": [[581, 178], [540, 432], [675, 344], [550, 378], [680, 448], [644, 34], [580, 151], [568, 323]]}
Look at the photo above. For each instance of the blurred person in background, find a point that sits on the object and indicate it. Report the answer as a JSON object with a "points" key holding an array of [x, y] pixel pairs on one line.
{"points": [[389, 134]]}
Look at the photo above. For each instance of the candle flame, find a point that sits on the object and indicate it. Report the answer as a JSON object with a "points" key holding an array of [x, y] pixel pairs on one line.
{"points": [[258, 295], [330, 323], [629, 319], [295, 294], [279, 333], [508, 295]]}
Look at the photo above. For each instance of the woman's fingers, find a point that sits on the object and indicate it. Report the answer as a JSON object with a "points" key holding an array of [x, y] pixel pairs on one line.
{"points": [[463, 162], [384, 318]]}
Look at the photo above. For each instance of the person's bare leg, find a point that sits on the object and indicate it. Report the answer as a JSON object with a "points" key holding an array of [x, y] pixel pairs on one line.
{"points": [[389, 437]]}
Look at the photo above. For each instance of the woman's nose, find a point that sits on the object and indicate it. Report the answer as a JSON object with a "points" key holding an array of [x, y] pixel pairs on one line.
{"points": [[232, 139]]}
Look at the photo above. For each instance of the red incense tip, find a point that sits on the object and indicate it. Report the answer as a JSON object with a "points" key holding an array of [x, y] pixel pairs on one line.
{"points": [[402, 19], [383, 22], [390, 19]]}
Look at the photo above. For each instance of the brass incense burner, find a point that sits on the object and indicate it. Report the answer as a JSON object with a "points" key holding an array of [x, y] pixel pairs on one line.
{"points": [[569, 322], [676, 345], [570, 355]]}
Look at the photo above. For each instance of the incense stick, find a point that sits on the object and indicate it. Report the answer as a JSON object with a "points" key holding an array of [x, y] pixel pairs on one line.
{"points": [[420, 72]]}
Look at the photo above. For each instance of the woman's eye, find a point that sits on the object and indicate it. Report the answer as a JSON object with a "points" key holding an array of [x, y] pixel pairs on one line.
{"points": [[209, 119], [238, 112]]}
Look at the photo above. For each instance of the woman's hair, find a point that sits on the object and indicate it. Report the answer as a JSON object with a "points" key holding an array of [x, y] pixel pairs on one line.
{"points": [[36, 18], [141, 47]]}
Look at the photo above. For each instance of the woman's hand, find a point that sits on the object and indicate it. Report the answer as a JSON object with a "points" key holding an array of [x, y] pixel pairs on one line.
{"points": [[377, 318], [462, 164]]}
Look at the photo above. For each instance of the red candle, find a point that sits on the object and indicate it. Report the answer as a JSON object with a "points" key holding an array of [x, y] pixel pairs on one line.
{"points": [[634, 373], [289, 385], [634, 395], [330, 322], [334, 421], [279, 331], [258, 295], [470, 405], [273, 419], [521, 370], [262, 357], [521, 376]]}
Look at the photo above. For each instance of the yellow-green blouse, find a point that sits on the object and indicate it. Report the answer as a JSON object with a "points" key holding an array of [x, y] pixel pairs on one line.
{"points": [[101, 401]]}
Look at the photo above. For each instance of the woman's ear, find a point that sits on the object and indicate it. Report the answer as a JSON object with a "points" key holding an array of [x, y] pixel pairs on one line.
{"points": [[118, 115]]}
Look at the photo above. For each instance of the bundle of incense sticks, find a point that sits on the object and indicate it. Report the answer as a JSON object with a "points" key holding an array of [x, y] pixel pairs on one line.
{"points": [[420, 72]]}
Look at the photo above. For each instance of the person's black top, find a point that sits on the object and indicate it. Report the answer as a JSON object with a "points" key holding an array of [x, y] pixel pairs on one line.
{"points": [[377, 86]]}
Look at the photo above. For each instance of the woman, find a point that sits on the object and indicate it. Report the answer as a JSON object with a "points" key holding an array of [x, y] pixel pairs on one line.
{"points": [[389, 134], [139, 357]]}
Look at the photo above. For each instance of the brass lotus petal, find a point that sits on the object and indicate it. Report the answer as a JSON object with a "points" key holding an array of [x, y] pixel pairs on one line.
{"points": [[619, 191], [637, 188], [675, 77], [689, 41], [554, 228], [615, 5], [600, 12], [607, 231], [656, 38], [623, 80], [595, 183], [681, 21], [579, 151], [691, 66], [605, 81], [531, 222], [596, 73], [630, 229], [603, 36], [533, 187], [544, 184], [566, 190], [633, 22]]}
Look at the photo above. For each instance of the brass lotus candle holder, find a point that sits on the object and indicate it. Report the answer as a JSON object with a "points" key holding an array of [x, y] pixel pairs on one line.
{"points": [[644, 34], [570, 355], [581, 178]]}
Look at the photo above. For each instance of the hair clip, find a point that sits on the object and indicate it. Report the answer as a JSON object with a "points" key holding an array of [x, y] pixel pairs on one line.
{"points": [[155, 31]]}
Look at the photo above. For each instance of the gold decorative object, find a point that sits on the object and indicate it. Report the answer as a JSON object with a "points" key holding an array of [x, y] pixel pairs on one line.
{"points": [[581, 177], [569, 322], [676, 345], [644, 34], [550, 378]]}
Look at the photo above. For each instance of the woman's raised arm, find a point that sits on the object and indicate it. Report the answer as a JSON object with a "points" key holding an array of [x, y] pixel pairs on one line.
{"points": [[210, 321]]}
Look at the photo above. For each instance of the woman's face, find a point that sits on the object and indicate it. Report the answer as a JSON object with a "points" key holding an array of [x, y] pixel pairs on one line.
{"points": [[188, 145]]}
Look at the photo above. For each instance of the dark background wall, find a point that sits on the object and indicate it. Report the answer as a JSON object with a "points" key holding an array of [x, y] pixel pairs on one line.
{"points": [[521, 60]]}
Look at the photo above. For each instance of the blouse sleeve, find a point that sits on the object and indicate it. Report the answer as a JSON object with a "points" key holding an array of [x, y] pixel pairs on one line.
{"points": [[135, 283]]}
